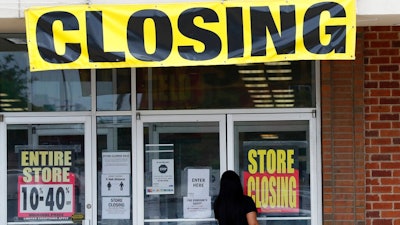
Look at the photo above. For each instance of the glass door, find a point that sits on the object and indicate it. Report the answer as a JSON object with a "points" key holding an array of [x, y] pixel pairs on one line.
{"points": [[49, 170], [180, 159], [277, 159]]}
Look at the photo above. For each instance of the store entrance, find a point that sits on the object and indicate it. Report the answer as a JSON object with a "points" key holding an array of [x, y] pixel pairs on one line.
{"points": [[184, 155], [48, 170], [177, 150]]}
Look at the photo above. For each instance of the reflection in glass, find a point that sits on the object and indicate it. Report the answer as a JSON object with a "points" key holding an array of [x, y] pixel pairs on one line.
{"points": [[49, 186], [189, 148], [274, 160], [60, 90], [261, 222], [268, 85], [56, 90], [183, 223], [12, 83], [114, 138], [285, 222], [113, 89]]}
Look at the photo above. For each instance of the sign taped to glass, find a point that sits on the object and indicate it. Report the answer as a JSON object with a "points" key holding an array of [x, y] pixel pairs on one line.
{"points": [[272, 176], [199, 33], [46, 188]]}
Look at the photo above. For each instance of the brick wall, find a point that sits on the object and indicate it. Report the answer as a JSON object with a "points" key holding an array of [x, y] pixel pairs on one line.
{"points": [[382, 125], [361, 132], [343, 154]]}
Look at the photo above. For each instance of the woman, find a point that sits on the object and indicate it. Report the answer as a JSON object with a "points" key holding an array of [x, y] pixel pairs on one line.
{"points": [[232, 207]]}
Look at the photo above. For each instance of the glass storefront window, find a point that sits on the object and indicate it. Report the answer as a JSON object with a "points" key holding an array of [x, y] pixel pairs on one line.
{"points": [[113, 89], [60, 90], [45, 172], [268, 85], [13, 82], [189, 147], [182, 168], [273, 158], [114, 184], [57, 90]]}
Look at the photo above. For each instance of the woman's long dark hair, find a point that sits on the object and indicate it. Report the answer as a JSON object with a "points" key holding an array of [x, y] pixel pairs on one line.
{"points": [[227, 206]]}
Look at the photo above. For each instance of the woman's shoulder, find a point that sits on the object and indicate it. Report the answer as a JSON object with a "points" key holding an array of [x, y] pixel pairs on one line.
{"points": [[247, 198], [249, 203]]}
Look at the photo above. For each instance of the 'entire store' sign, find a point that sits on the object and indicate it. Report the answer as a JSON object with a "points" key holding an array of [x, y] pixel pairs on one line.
{"points": [[184, 34]]}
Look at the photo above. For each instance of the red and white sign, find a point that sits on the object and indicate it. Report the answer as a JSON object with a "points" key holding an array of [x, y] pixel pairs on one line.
{"points": [[51, 200]]}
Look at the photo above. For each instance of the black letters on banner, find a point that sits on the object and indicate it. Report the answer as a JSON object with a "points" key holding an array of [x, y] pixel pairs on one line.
{"points": [[211, 41], [45, 37], [311, 29], [234, 20], [207, 33], [95, 40], [261, 18], [136, 36]]}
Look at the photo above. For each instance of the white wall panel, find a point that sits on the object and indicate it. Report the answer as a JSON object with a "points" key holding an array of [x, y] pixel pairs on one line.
{"points": [[378, 12], [369, 12], [143, 1], [25, 4], [16, 8], [378, 7], [8, 9]]}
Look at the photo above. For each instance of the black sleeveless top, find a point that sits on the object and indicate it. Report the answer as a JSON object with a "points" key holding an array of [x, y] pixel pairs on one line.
{"points": [[247, 205]]}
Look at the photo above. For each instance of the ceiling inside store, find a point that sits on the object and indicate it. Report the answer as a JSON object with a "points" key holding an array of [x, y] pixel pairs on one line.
{"points": [[12, 42]]}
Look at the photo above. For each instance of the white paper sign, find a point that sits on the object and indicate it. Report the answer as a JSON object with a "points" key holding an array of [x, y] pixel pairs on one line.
{"points": [[115, 185], [116, 162], [35, 200], [198, 182], [197, 207], [116, 207], [162, 177]]}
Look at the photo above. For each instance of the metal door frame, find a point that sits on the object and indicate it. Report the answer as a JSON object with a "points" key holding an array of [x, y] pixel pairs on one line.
{"points": [[90, 172], [227, 148], [139, 193], [315, 153]]}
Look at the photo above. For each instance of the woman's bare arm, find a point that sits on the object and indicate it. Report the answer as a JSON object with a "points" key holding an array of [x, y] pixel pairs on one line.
{"points": [[252, 218]]}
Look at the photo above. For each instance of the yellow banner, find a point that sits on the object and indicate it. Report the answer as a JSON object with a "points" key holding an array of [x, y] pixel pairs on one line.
{"points": [[185, 34]]}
